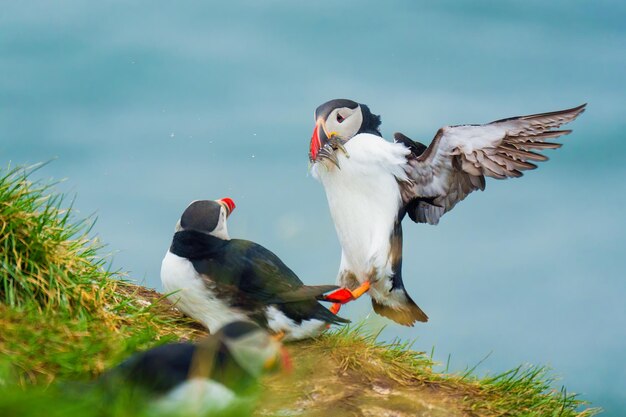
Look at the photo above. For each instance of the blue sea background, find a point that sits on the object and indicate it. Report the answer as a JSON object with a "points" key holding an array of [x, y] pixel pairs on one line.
{"points": [[148, 105]]}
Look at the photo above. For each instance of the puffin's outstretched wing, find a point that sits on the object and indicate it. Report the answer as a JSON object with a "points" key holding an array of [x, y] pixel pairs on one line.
{"points": [[459, 158]]}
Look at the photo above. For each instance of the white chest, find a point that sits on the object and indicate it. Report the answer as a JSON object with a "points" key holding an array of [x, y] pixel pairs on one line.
{"points": [[364, 199], [192, 296], [196, 397]]}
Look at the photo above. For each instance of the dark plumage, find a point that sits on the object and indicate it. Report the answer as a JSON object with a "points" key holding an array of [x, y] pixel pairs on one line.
{"points": [[215, 279], [163, 368], [371, 122], [251, 277], [167, 371]]}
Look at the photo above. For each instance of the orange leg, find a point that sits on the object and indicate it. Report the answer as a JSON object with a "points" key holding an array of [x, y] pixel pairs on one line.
{"points": [[335, 308], [360, 290]]}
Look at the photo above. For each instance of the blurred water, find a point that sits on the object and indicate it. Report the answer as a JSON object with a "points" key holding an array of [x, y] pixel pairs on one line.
{"points": [[153, 104]]}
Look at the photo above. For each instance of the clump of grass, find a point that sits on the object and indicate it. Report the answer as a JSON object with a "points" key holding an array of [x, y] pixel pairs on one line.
{"points": [[358, 349], [48, 262], [523, 391], [527, 390], [62, 312]]}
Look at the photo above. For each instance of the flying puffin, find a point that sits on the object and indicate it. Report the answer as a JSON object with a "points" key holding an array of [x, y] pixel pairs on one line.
{"points": [[213, 375], [215, 279], [372, 183]]}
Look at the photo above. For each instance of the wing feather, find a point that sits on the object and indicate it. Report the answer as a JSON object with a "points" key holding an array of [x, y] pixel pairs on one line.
{"points": [[460, 157]]}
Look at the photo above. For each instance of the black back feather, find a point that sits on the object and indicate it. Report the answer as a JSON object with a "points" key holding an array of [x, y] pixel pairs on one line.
{"points": [[164, 367], [250, 277]]}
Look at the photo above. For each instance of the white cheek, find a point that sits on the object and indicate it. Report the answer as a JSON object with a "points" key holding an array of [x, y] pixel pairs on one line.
{"points": [[349, 127], [354, 122], [332, 125], [221, 230]]}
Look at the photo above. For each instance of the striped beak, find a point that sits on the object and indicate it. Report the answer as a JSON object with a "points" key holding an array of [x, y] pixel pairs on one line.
{"points": [[228, 204], [318, 140]]}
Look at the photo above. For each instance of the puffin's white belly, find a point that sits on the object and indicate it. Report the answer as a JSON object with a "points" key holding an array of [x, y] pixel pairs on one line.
{"points": [[195, 397], [192, 296], [278, 322], [364, 199]]}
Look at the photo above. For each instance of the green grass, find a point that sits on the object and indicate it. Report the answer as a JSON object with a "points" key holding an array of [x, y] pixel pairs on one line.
{"points": [[64, 316]]}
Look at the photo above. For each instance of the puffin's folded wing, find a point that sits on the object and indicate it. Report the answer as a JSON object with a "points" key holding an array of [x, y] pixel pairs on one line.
{"points": [[459, 158], [261, 275]]}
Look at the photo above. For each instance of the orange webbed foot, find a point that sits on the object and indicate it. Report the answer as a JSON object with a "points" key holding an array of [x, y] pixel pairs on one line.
{"points": [[345, 295], [335, 308]]}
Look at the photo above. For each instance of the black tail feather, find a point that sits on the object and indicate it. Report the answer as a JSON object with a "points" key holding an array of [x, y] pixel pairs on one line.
{"points": [[328, 316]]}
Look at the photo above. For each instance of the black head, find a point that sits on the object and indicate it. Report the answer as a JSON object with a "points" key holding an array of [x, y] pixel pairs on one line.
{"points": [[324, 110], [207, 216], [340, 120]]}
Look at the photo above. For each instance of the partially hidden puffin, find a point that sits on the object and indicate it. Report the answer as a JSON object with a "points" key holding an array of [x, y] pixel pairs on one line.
{"points": [[214, 375], [372, 183], [215, 279]]}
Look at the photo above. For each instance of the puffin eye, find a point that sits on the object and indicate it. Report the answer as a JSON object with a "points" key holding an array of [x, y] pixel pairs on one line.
{"points": [[340, 118]]}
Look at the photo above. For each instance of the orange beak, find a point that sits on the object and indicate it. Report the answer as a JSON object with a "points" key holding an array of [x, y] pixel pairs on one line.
{"points": [[315, 144], [318, 140], [229, 204]]}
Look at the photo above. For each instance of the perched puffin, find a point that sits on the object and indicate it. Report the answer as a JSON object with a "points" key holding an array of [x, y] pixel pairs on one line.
{"points": [[216, 374], [215, 279], [371, 183]]}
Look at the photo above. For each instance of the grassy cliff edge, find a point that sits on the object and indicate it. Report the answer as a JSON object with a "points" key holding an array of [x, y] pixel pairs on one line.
{"points": [[65, 317]]}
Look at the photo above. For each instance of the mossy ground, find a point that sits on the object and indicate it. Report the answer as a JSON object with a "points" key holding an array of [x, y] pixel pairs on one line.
{"points": [[65, 317]]}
